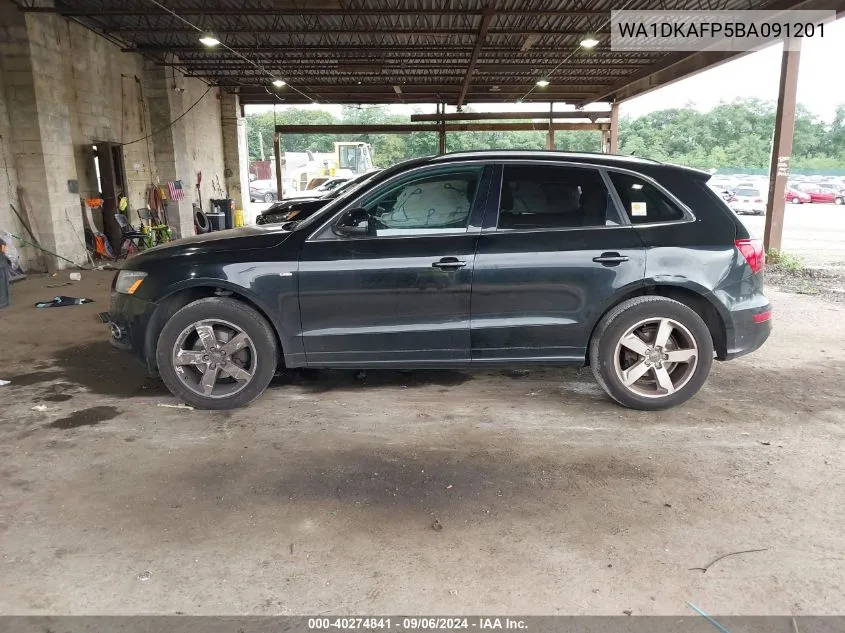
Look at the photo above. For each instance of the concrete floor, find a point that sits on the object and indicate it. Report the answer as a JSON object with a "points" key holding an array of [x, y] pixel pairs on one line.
{"points": [[429, 492]]}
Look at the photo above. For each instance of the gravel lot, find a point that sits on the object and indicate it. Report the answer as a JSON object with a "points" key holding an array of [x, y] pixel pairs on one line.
{"points": [[506, 492]]}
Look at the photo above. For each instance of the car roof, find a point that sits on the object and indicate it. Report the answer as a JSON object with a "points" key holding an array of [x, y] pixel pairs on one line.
{"points": [[594, 158]]}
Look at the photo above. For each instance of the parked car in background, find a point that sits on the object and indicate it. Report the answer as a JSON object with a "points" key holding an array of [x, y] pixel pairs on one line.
{"points": [[796, 196], [724, 192], [472, 259], [818, 193], [300, 208], [747, 200], [836, 189], [323, 187], [267, 191]]}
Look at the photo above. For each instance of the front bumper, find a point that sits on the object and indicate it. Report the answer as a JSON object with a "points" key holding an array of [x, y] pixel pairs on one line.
{"points": [[128, 320]]}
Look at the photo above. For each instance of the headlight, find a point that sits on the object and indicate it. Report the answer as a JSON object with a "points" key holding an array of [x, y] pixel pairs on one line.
{"points": [[128, 281]]}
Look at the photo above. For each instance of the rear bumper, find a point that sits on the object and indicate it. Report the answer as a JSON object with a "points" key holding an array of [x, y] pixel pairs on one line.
{"points": [[749, 330]]}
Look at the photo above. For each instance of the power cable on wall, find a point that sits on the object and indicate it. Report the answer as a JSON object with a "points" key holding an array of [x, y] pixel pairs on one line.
{"points": [[172, 123]]}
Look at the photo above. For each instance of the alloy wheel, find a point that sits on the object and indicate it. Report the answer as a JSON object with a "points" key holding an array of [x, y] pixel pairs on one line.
{"points": [[214, 358], [656, 357]]}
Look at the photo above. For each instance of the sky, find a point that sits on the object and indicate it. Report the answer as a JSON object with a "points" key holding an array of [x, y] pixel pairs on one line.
{"points": [[821, 83], [821, 79]]}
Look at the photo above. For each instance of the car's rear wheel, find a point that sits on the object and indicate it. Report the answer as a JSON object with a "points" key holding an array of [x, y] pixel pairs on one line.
{"points": [[651, 353], [795, 200], [217, 353], [269, 197], [839, 201]]}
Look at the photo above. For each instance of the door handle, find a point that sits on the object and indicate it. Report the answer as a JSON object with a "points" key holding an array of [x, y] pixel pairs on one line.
{"points": [[449, 263], [610, 259]]}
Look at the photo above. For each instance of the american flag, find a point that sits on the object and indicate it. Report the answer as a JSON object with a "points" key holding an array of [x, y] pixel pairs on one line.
{"points": [[175, 189]]}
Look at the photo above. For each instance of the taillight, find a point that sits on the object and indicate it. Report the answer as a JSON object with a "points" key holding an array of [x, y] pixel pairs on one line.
{"points": [[752, 251]]}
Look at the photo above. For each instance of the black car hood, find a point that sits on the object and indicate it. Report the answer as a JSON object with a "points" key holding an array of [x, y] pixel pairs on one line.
{"points": [[286, 205], [248, 237]]}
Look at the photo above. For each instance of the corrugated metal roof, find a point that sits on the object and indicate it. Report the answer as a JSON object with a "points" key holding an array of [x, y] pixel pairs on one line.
{"points": [[380, 51]]}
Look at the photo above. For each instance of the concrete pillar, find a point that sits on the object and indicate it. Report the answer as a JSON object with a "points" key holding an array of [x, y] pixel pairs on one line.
{"points": [[235, 156], [36, 104], [170, 146], [782, 146]]}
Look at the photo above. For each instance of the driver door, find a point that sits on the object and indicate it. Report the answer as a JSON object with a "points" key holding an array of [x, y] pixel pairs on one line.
{"points": [[398, 291]]}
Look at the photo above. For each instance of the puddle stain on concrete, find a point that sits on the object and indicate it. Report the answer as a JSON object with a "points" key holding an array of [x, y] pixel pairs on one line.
{"points": [[85, 417]]}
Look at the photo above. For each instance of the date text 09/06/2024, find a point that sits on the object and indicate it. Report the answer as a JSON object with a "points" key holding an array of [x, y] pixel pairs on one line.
{"points": [[415, 624]]}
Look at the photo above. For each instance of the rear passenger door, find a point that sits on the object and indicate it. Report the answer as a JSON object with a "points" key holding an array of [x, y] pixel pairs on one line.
{"points": [[552, 252]]}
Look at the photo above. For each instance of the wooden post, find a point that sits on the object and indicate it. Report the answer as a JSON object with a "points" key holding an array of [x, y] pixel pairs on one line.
{"points": [[782, 145], [605, 141], [614, 128], [550, 137]]}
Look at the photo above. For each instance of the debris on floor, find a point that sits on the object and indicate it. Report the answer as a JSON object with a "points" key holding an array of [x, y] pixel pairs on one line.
{"points": [[176, 406], [144, 576], [436, 525], [75, 276], [716, 560], [62, 301], [3, 383], [707, 617], [42, 408]]}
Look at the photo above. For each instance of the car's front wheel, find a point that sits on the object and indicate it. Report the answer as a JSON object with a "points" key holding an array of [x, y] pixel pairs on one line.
{"points": [[269, 197], [651, 353], [217, 353], [839, 201]]}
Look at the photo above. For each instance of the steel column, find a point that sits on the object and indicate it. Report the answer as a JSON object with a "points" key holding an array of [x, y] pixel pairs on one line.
{"points": [[614, 128], [277, 152], [782, 146], [550, 135]]}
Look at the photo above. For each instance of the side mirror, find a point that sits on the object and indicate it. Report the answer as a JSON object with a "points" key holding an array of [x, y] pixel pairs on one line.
{"points": [[355, 222]]}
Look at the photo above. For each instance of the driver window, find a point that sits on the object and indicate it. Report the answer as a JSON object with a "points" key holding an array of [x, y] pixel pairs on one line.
{"points": [[425, 204]]}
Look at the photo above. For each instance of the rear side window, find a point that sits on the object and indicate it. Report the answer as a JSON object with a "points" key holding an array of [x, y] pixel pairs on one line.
{"points": [[643, 202], [551, 197], [748, 193]]}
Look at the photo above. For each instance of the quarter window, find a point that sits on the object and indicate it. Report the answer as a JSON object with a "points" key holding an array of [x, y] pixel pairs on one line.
{"points": [[550, 197], [434, 203], [643, 202]]}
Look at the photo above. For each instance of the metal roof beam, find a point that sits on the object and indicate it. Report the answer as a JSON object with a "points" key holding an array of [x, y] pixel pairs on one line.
{"points": [[479, 43], [501, 116], [259, 11]]}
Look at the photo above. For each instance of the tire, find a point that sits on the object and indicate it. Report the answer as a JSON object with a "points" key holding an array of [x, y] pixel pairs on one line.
{"points": [[252, 360], [201, 222], [610, 360], [795, 200], [269, 197], [839, 201]]}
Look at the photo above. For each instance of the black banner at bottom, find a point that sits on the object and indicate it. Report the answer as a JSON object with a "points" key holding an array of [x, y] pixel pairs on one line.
{"points": [[422, 624]]}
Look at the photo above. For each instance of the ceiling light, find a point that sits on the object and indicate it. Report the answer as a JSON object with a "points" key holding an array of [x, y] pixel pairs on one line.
{"points": [[542, 82], [589, 42], [209, 40], [278, 83]]}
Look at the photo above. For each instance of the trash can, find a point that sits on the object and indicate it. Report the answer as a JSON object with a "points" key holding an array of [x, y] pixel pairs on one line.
{"points": [[225, 206], [216, 220]]}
